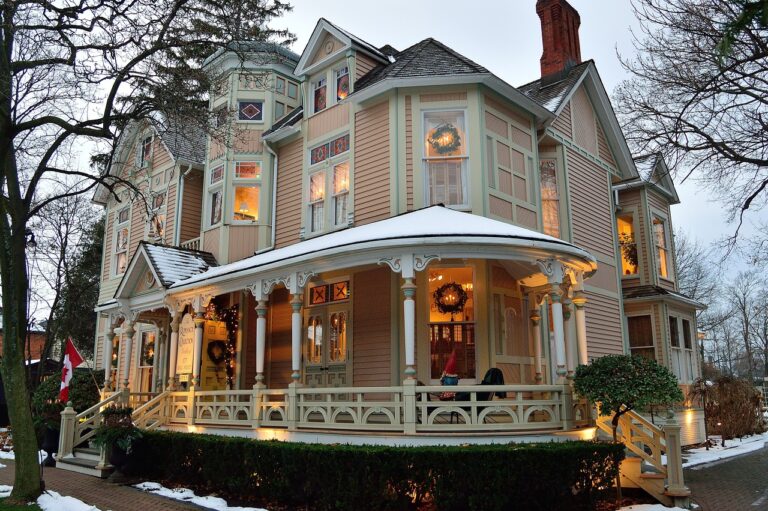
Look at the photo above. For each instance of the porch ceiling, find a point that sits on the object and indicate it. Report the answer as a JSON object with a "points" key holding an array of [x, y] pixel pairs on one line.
{"points": [[436, 231]]}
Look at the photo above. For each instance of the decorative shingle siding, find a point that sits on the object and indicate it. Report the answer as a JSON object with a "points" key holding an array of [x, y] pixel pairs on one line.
{"points": [[371, 166]]}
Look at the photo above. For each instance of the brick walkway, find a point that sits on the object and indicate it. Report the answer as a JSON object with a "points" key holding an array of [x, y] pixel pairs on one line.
{"points": [[738, 484], [99, 493]]}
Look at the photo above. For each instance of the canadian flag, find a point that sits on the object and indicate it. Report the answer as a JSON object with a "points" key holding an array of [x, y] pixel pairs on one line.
{"points": [[72, 359]]}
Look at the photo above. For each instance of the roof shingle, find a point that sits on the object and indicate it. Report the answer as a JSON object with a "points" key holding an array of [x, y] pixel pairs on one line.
{"points": [[550, 94], [174, 264]]}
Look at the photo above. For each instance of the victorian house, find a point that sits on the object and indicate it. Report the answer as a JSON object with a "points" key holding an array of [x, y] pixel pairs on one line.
{"points": [[372, 218]]}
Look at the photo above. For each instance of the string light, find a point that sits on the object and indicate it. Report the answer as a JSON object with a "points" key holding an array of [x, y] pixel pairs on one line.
{"points": [[231, 317]]}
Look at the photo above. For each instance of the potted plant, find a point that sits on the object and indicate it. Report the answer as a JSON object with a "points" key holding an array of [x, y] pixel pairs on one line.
{"points": [[117, 434]]}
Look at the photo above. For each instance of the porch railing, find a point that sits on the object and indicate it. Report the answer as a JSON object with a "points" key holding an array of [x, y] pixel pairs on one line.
{"points": [[193, 244], [408, 409]]}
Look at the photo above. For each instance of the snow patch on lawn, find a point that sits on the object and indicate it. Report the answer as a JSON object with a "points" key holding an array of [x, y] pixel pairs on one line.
{"points": [[734, 447], [5, 491], [8, 455], [187, 495], [52, 501]]}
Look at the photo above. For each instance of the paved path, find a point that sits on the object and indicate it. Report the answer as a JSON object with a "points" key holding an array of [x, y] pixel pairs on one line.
{"points": [[99, 493], [736, 484]]}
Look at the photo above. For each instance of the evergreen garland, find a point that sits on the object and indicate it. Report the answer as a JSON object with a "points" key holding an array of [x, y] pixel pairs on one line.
{"points": [[445, 139]]}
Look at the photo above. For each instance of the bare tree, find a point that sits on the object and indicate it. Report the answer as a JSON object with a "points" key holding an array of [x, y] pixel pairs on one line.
{"points": [[706, 109], [742, 298], [78, 71]]}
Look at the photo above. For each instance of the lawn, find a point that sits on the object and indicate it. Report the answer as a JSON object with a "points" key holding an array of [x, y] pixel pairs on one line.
{"points": [[18, 507]]}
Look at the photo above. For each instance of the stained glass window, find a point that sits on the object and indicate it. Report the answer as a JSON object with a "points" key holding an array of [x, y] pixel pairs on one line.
{"points": [[248, 170], [318, 154], [320, 99], [329, 149], [250, 110], [340, 145], [318, 295], [340, 291], [217, 174], [342, 83]]}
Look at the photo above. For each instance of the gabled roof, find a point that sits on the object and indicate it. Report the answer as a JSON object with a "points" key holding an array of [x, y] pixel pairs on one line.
{"points": [[551, 92], [348, 39], [167, 264], [426, 58], [432, 225], [554, 94], [654, 172]]}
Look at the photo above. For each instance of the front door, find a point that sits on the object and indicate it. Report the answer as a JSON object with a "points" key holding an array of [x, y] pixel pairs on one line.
{"points": [[328, 347]]}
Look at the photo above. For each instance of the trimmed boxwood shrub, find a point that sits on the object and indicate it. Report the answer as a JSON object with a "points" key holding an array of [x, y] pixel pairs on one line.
{"points": [[569, 475]]}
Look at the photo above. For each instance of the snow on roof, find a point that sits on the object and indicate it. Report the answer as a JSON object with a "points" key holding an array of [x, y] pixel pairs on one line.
{"points": [[174, 264], [430, 222], [646, 165]]}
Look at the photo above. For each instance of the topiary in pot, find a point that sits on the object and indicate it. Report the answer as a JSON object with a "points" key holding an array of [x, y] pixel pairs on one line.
{"points": [[117, 434]]}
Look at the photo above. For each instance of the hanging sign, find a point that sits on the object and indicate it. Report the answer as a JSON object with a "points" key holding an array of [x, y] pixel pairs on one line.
{"points": [[186, 350]]}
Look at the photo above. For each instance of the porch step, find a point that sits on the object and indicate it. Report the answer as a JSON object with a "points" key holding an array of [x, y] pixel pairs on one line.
{"points": [[633, 476], [84, 461]]}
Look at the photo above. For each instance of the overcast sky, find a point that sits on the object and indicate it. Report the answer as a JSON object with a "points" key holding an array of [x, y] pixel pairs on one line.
{"points": [[505, 37]]}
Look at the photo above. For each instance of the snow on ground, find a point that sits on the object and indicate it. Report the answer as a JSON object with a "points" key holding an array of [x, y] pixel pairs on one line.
{"points": [[52, 501], [734, 447], [8, 455], [186, 495]]}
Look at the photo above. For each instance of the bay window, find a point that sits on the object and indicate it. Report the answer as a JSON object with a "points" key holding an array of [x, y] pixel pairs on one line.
{"points": [[640, 330], [446, 158], [550, 197], [683, 365], [329, 170], [662, 251], [627, 244], [293, 90], [247, 186], [121, 241]]}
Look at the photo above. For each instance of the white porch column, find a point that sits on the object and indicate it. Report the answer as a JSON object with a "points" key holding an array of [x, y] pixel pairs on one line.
{"points": [[579, 301], [409, 326], [198, 353], [535, 317], [127, 350], [557, 324], [109, 341], [261, 339], [570, 359], [175, 319], [296, 301]]}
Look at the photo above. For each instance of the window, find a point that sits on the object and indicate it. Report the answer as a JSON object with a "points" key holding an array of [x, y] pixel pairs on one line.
{"points": [[215, 203], [662, 253], [279, 110], [340, 192], [445, 158], [550, 197], [641, 336], [250, 110], [327, 293], [217, 174], [674, 333], [628, 245], [337, 342], [316, 201], [147, 349], [293, 90], [247, 188], [145, 152], [220, 117], [280, 85], [315, 340], [121, 241], [157, 224], [319, 101], [683, 361], [342, 83], [335, 174]]}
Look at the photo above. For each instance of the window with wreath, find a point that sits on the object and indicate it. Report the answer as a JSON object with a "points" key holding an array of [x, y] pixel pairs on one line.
{"points": [[627, 243], [445, 158], [329, 170], [662, 251], [121, 241], [550, 197]]}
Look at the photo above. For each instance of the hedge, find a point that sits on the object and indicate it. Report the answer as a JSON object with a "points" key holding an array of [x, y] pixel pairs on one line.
{"points": [[569, 475]]}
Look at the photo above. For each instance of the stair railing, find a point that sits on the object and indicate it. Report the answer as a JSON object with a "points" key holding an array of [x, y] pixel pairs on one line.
{"points": [[78, 428], [152, 414]]}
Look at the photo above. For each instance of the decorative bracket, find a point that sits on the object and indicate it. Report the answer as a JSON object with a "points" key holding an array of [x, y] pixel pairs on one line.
{"points": [[408, 264], [553, 269]]}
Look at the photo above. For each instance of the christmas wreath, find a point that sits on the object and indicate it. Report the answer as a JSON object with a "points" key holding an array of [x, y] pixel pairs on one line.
{"points": [[450, 298], [445, 139], [217, 351]]}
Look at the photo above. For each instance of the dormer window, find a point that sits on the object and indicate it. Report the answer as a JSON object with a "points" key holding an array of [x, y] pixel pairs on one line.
{"points": [[330, 170], [342, 83], [319, 101], [121, 241]]}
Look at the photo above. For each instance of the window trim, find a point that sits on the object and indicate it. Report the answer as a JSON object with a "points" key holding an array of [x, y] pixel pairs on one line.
{"points": [[693, 371], [315, 85], [251, 121], [466, 185], [654, 215], [635, 230], [327, 167], [288, 84], [219, 187], [155, 210], [653, 330], [336, 76], [252, 182], [144, 160]]}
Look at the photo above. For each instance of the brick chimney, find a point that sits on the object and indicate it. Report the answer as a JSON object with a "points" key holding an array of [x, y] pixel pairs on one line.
{"points": [[559, 35]]}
